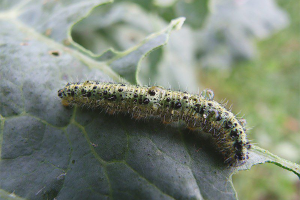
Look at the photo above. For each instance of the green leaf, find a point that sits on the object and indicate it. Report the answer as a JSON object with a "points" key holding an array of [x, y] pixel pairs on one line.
{"points": [[125, 63], [49, 151], [169, 66], [263, 156]]}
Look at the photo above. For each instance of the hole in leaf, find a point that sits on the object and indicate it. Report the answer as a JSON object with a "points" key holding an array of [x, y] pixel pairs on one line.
{"points": [[54, 53]]}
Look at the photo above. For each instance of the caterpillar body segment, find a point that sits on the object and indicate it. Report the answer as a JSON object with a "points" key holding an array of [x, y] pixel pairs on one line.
{"points": [[197, 111]]}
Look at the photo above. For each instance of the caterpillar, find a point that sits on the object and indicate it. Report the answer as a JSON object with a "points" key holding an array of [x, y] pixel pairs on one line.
{"points": [[197, 111]]}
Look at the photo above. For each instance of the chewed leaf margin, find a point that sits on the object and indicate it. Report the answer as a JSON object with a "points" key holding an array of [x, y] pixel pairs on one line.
{"points": [[271, 158], [260, 156], [126, 63]]}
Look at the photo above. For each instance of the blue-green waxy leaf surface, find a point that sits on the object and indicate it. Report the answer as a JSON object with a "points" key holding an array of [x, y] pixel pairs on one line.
{"points": [[48, 151]]}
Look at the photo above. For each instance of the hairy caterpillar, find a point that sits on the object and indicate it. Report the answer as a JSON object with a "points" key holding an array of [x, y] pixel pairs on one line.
{"points": [[197, 111]]}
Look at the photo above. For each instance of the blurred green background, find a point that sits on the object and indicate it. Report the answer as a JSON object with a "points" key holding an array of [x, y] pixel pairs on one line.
{"points": [[246, 51]]}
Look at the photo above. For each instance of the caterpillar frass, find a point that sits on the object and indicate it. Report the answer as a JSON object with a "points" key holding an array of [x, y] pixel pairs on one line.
{"points": [[197, 111]]}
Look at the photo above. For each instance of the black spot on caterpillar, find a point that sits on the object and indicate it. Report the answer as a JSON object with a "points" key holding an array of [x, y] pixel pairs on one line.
{"points": [[197, 111]]}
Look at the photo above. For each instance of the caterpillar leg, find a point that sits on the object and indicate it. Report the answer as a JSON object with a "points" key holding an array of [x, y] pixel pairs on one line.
{"points": [[110, 111], [166, 119], [137, 117], [65, 103], [192, 128]]}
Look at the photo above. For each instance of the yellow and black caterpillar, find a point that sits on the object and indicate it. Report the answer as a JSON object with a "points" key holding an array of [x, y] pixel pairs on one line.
{"points": [[197, 111]]}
